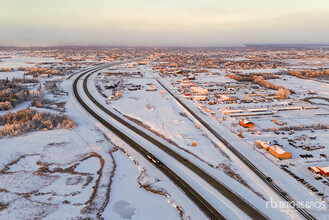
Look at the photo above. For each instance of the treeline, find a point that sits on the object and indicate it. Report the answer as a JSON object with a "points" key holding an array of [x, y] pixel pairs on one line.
{"points": [[249, 64], [23, 80], [299, 127], [250, 78], [6, 69], [27, 120], [282, 92], [37, 71], [304, 74]]}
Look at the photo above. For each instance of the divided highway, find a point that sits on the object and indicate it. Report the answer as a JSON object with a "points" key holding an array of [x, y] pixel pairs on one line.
{"points": [[204, 206], [258, 172], [221, 188]]}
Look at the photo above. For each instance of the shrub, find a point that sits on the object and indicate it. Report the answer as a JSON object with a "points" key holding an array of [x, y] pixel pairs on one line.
{"points": [[27, 120]]}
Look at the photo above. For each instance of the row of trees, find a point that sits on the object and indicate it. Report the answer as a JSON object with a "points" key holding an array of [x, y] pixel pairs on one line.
{"points": [[282, 92], [303, 74], [299, 127], [27, 120]]}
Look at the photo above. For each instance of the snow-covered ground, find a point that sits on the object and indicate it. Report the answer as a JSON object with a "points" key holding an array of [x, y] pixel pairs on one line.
{"points": [[19, 61], [167, 119], [87, 171], [81, 172]]}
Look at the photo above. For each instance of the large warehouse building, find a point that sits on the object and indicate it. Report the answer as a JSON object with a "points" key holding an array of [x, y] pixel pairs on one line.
{"points": [[279, 153]]}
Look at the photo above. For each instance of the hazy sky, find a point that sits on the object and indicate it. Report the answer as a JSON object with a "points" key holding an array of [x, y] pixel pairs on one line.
{"points": [[162, 22]]}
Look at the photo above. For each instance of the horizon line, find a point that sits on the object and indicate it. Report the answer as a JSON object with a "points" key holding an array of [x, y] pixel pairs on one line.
{"points": [[244, 45]]}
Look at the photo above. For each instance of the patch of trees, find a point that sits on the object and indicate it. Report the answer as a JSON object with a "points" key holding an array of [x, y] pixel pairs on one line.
{"points": [[304, 74], [27, 120], [283, 93], [38, 99], [6, 69], [37, 71], [12, 94]]}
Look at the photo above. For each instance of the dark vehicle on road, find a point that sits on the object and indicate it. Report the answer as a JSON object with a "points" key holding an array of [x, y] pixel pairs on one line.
{"points": [[154, 159]]}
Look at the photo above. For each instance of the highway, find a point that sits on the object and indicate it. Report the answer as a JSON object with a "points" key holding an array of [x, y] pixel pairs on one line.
{"points": [[220, 187], [258, 172], [203, 205]]}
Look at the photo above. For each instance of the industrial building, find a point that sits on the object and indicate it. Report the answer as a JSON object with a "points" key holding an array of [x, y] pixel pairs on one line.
{"points": [[200, 98], [245, 123], [287, 108], [324, 171], [314, 170], [257, 110], [229, 111], [249, 114], [279, 153], [199, 90], [262, 145]]}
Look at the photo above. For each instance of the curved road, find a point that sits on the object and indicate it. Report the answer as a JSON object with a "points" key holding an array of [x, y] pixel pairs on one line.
{"points": [[204, 206], [221, 188]]}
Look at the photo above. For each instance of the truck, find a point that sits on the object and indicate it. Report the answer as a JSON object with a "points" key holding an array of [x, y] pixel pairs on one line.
{"points": [[154, 159]]}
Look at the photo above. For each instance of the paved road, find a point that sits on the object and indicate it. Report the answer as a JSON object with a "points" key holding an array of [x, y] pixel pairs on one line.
{"points": [[204, 206], [259, 173], [220, 187]]}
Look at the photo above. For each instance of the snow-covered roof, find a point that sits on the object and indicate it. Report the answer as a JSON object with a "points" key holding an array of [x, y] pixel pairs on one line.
{"points": [[199, 89], [315, 169], [277, 149], [246, 114], [324, 169], [226, 111], [287, 108], [257, 109], [263, 144], [245, 121]]}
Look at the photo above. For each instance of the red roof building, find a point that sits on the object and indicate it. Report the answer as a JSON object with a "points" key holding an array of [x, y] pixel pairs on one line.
{"points": [[245, 123], [324, 171], [314, 170]]}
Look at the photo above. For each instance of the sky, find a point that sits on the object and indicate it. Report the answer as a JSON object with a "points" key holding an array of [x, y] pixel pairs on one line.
{"points": [[155, 23]]}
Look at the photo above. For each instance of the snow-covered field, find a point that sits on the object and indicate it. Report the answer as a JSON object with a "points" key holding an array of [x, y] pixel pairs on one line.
{"points": [[169, 121], [82, 172], [19, 61], [87, 171]]}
